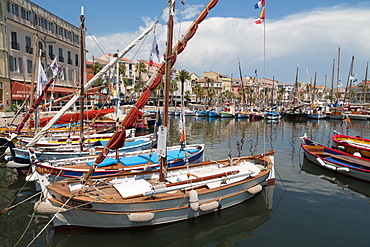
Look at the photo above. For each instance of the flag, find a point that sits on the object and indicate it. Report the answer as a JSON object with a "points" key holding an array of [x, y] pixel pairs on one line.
{"points": [[258, 21], [42, 79], [260, 4], [182, 130], [54, 66], [154, 51], [262, 14]]}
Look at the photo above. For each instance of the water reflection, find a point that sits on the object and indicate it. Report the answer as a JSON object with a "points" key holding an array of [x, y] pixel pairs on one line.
{"points": [[343, 183], [224, 228]]}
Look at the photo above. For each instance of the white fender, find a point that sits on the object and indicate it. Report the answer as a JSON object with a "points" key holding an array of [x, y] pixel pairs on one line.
{"points": [[209, 206], [193, 199], [140, 217], [45, 207]]}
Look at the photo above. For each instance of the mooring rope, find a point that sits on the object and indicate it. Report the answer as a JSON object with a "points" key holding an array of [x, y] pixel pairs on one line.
{"points": [[51, 220]]}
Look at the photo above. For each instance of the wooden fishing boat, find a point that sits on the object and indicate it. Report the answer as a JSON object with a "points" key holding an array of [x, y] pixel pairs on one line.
{"points": [[139, 200], [226, 114], [352, 144], [244, 114], [271, 115], [129, 162], [336, 115], [201, 113], [22, 157], [337, 161], [213, 113]]}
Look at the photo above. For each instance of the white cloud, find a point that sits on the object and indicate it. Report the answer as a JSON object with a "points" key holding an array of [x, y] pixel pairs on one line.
{"points": [[309, 38]]}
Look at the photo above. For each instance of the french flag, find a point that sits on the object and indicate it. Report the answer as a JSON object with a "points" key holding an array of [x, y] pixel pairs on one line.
{"points": [[260, 4]]}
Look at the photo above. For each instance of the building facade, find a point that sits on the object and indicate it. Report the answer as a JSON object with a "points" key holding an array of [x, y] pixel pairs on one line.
{"points": [[31, 34]]}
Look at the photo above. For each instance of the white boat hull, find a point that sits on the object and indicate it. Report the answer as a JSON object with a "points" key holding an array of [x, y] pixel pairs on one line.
{"points": [[117, 215]]}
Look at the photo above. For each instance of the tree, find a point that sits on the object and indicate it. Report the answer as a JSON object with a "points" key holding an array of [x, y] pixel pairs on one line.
{"points": [[95, 68], [281, 93], [198, 90], [140, 68]]}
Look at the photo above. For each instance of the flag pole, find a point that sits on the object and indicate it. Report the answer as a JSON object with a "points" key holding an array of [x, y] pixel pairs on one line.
{"points": [[264, 45]]}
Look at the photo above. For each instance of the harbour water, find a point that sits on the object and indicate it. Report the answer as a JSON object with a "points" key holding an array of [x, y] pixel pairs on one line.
{"points": [[306, 207]]}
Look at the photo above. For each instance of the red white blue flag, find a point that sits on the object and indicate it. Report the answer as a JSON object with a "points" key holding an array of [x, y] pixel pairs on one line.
{"points": [[260, 4]]}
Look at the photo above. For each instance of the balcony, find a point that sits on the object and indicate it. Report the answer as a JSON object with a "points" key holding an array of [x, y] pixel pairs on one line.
{"points": [[52, 56], [29, 49], [15, 46], [70, 61], [61, 59]]}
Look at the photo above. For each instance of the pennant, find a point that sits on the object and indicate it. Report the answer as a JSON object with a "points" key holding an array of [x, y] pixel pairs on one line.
{"points": [[154, 51], [262, 14], [182, 130], [54, 66], [258, 21], [260, 4], [42, 79]]}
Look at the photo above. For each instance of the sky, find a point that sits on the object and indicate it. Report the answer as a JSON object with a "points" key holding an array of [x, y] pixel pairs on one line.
{"points": [[296, 34]]}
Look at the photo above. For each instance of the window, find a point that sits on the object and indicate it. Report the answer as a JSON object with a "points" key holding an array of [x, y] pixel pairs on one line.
{"points": [[51, 52], [69, 74], [14, 41], [13, 9], [15, 64], [64, 74], [25, 14], [29, 66], [20, 65], [50, 26], [69, 58], [76, 60], [61, 58], [29, 48]]}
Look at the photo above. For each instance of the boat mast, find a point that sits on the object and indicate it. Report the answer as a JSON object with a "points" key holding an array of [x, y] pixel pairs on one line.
{"points": [[243, 93], [365, 86], [332, 84], [338, 75], [82, 75], [168, 60], [350, 82]]}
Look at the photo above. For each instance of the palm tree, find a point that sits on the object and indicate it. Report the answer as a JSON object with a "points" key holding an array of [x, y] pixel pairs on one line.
{"points": [[182, 76], [187, 95], [140, 68], [173, 88], [281, 93], [198, 90], [95, 68]]}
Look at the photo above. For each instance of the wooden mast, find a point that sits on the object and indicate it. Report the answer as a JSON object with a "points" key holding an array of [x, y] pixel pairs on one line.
{"points": [[168, 61], [332, 83], [82, 76], [242, 85], [365, 86], [350, 82]]}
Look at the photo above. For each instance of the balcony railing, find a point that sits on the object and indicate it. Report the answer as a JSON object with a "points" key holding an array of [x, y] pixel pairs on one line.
{"points": [[61, 59], [70, 61], [15, 46]]}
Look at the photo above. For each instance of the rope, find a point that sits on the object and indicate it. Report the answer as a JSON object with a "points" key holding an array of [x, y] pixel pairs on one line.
{"points": [[29, 223], [7, 207], [51, 220]]}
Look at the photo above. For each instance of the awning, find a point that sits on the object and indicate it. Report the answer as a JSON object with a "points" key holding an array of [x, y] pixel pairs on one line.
{"points": [[20, 91]]}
